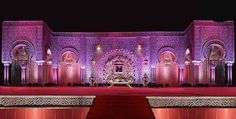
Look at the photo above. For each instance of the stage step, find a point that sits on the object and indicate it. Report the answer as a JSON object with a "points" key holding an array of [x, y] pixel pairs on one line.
{"points": [[120, 107]]}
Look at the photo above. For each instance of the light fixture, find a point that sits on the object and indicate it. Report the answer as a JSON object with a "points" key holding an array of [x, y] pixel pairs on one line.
{"points": [[139, 47], [98, 47]]}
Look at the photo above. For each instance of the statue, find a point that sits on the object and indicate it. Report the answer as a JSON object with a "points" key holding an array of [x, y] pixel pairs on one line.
{"points": [[145, 79]]}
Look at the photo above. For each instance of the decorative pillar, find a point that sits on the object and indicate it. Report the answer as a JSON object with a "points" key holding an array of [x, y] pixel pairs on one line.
{"points": [[213, 77], [187, 78], [181, 74], [196, 71], [23, 75], [55, 74], [48, 71], [6, 72], [229, 72], [82, 74], [40, 71], [153, 74]]}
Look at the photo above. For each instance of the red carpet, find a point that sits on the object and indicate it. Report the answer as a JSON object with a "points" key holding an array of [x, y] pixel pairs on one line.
{"points": [[194, 113], [120, 107], [120, 91]]}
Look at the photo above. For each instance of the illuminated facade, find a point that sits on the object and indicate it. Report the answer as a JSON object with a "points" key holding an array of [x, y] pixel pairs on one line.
{"points": [[202, 54]]}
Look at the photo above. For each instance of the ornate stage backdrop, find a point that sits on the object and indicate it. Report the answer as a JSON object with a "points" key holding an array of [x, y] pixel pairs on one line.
{"points": [[201, 54]]}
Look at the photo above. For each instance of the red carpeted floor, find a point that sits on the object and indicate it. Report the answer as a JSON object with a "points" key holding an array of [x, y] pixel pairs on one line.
{"points": [[120, 91], [124, 102], [44, 113], [120, 107]]}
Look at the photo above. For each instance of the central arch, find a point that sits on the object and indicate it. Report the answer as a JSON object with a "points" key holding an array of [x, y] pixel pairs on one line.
{"points": [[118, 61], [119, 68]]}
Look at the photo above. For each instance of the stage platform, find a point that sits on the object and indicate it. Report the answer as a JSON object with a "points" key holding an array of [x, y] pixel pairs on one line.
{"points": [[120, 91], [104, 102]]}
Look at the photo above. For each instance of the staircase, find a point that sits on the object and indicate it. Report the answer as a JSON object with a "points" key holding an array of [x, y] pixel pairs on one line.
{"points": [[120, 107]]}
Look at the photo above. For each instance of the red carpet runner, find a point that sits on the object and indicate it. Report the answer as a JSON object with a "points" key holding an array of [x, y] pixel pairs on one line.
{"points": [[120, 107]]}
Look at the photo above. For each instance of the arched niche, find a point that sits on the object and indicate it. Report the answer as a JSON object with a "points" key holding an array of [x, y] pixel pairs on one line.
{"points": [[68, 57], [21, 54], [69, 48], [188, 55], [48, 67], [48, 52], [167, 69], [213, 67], [69, 69], [213, 44], [27, 44], [188, 67], [167, 57], [163, 49], [215, 52]]}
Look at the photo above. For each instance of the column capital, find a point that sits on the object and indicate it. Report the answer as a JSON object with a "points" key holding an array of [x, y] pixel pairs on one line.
{"points": [[6, 63], [213, 67], [49, 62], [153, 66], [55, 66], [40, 62], [181, 66], [195, 62], [23, 67], [82, 67], [229, 62], [187, 62]]}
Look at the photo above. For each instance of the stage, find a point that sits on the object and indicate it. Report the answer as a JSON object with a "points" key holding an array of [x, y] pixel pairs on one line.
{"points": [[120, 91], [102, 102]]}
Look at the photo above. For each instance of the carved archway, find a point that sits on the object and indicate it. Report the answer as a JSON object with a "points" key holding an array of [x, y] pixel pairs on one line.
{"points": [[69, 69], [122, 54], [163, 49], [20, 64], [211, 43], [214, 65], [167, 69], [119, 68], [22, 51], [72, 49], [187, 66], [27, 44]]}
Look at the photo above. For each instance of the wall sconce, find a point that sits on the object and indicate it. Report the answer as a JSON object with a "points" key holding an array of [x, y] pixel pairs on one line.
{"points": [[139, 47], [98, 47]]}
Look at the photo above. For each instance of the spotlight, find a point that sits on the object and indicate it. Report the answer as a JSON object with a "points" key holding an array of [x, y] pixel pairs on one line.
{"points": [[98, 47]]}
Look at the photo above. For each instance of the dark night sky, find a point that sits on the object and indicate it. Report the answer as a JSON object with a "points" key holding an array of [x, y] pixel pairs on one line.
{"points": [[117, 15]]}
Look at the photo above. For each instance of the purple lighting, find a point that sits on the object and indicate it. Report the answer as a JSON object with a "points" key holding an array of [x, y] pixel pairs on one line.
{"points": [[36, 54]]}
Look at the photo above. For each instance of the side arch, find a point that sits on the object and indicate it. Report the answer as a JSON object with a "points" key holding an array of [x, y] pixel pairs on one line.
{"points": [[210, 42], [25, 42], [163, 49], [69, 48]]}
